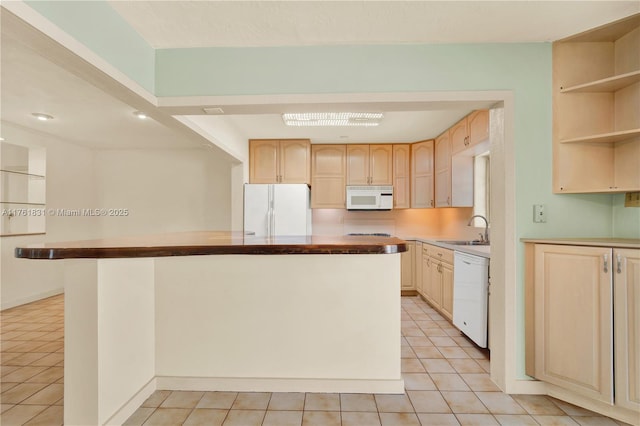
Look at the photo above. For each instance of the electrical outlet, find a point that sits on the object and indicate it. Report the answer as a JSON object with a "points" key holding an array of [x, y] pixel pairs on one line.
{"points": [[539, 213], [632, 199]]}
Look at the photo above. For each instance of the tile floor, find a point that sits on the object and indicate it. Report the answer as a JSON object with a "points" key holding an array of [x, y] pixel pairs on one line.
{"points": [[445, 376]]}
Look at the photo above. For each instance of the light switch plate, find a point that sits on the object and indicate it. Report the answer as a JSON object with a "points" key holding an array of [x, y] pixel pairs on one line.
{"points": [[539, 213]]}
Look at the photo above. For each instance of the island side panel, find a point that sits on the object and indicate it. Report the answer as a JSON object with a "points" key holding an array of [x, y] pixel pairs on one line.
{"points": [[279, 323], [109, 339]]}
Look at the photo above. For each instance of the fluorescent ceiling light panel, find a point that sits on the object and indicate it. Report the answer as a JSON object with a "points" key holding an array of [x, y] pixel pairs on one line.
{"points": [[336, 119]]}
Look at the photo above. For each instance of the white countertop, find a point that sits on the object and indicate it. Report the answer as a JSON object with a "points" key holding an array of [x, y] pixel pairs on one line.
{"points": [[483, 251]]}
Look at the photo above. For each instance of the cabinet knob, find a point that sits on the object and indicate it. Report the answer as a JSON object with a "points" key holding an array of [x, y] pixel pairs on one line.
{"points": [[606, 262], [619, 262], [448, 200]]}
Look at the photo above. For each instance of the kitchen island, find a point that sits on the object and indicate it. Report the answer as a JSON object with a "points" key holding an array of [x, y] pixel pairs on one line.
{"points": [[225, 311]]}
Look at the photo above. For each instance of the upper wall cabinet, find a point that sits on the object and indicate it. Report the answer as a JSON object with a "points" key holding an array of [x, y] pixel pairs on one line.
{"points": [[470, 131], [279, 161], [443, 170], [401, 176], [422, 175], [329, 166], [369, 165], [596, 110]]}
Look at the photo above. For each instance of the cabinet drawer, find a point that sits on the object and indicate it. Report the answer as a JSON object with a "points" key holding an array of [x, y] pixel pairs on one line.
{"points": [[442, 254]]}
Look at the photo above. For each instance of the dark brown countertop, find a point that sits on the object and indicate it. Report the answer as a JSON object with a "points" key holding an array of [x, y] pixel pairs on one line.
{"points": [[210, 243]]}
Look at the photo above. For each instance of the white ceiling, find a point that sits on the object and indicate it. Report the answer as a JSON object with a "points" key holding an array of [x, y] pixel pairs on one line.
{"points": [[176, 24]]}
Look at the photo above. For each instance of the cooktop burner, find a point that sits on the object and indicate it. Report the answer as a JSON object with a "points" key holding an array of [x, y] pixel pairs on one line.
{"points": [[374, 234]]}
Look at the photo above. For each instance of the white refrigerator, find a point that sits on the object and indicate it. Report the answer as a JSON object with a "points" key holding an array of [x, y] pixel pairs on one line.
{"points": [[277, 209]]}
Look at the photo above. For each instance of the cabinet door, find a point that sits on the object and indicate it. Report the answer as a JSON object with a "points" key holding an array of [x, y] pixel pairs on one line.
{"points": [[407, 267], [263, 161], [447, 291], [417, 265], [627, 319], [401, 176], [422, 175], [434, 289], [478, 125], [357, 164], [427, 274], [443, 170], [459, 135], [380, 165], [574, 319], [328, 179], [294, 161]]}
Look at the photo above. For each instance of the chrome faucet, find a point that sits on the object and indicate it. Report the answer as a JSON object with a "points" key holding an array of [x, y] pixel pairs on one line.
{"points": [[486, 228]]}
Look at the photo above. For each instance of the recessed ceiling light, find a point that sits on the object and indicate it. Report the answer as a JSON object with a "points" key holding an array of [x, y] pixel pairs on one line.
{"points": [[366, 119], [42, 117], [141, 115], [1, 139]]}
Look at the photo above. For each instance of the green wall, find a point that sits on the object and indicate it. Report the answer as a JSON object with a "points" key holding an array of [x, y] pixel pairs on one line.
{"points": [[524, 69]]}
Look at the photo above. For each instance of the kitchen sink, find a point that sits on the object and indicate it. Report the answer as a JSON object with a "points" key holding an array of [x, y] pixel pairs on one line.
{"points": [[465, 242]]}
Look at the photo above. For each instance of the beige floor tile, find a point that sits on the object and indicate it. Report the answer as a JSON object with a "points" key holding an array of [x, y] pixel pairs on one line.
{"points": [[21, 414], [464, 402], [322, 402], [49, 360], [5, 386], [282, 418], [22, 374], [357, 402], [411, 365], [479, 382], [437, 366], [156, 398], [462, 341], [500, 403], [435, 331], [426, 324], [5, 407], [449, 382], [251, 401], [399, 419], [220, 400], [51, 347], [594, 421], [515, 420], [466, 365], [13, 335], [476, 419], [24, 359], [360, 419], [538, 405], [139, 416], [428, 419], [428, 352], [46, 396], [8, 356], [168, 416], [19, 393], [206, 416], [572, 410], [428, 402], [29, 346], [182, 399], [476, 353], [452, 332], [453, 352], [287, 401], [412, 332], [52, 416], [321, 418], [418, 381], [416, 341], [49, 375], [443, 341], [388, 403], [555, 421], [407, 352]]}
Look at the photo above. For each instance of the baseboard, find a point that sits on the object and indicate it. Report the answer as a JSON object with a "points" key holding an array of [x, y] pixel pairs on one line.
{"points": [[24, 300], [408, 293], [133, 403], [279, 385]]}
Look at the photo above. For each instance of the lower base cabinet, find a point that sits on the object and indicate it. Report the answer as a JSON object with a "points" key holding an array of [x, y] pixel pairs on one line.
{"points": [[407, 279], [574, 297], [437, 279]]}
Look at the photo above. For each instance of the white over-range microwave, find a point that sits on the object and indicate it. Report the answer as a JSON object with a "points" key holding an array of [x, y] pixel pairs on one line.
{"points": [[369, 197]]}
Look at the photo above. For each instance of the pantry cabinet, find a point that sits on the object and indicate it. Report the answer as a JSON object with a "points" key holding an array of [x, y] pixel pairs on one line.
{"points": [[328, 179], [596, 110], [401, 176], [574, 295], [369, 165], [422, 175], [443, 170], [407, 268], [279, 161]]}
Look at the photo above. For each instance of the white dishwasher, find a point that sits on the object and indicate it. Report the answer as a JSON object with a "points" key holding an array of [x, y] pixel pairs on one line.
{"points": [[471, 295]]}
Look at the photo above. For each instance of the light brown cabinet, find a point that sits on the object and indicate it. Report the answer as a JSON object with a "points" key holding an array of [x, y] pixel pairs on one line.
{"points": [[369, 165], [437, 279], [596, 110], [417, 265], [329, 168], [422, 175], [407, 267], [443, 170], [279, 161], [401, 176], [459, 135], [574, 295]]}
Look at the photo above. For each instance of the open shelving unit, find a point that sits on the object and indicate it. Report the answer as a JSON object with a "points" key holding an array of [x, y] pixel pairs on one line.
{"points": [[596, 110]]}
